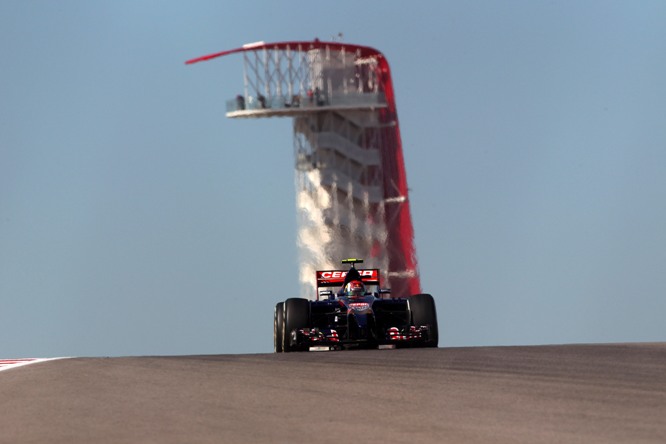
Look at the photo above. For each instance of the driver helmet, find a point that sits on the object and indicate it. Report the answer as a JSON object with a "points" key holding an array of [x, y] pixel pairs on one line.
{"points": [[355, 288]]}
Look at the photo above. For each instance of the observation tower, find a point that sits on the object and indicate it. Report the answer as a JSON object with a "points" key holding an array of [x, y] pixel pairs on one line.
{"points": [[351, 187]]}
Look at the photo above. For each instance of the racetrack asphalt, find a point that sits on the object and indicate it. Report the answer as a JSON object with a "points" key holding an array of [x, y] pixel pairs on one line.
{"points": [[603, 393]]}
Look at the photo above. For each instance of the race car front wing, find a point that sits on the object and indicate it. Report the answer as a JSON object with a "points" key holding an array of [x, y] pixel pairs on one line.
{"points": [[317, 339]]}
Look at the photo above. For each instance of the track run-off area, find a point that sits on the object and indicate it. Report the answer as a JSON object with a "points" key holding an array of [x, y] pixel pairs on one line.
{"points": [[599, 393]]}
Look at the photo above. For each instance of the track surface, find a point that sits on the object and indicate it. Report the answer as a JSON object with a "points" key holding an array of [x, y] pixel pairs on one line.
{"points": [[570, 393]]}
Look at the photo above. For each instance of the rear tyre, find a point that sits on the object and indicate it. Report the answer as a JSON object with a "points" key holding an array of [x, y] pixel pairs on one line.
{"points": [[296, 316], [278, 324], [423, 311]]}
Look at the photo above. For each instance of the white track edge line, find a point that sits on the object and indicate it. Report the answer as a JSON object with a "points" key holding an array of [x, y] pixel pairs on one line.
{"points": [[31, 361]]}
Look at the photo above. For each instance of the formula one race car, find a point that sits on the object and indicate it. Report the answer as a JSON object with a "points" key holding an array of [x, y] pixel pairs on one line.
{"points": [[354, 317]]}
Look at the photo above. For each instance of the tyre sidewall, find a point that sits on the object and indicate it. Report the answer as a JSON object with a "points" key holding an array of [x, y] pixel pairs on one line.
{"points": [[278, 324], [296, 316], [423, 312]]}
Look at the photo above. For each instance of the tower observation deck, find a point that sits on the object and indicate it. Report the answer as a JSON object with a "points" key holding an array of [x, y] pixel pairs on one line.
{"points": [[351, 187]]}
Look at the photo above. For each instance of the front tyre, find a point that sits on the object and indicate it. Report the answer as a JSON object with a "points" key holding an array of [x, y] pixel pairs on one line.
{"points": [[278, 324], [422, 307], [296, 317]]}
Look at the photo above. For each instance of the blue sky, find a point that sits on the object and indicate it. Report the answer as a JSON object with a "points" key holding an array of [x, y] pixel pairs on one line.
{"points": [[136, 220]]}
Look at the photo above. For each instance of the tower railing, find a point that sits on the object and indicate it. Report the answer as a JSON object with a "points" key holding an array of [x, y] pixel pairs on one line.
{"points": [[299, 103]]}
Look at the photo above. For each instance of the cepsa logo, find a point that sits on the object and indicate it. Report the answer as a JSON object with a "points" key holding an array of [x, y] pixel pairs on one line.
{"points": [[342, 274], [359, 306]]}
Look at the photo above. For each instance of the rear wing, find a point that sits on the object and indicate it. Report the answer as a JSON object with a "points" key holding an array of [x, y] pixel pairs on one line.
{"points": [[335, 278]]}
